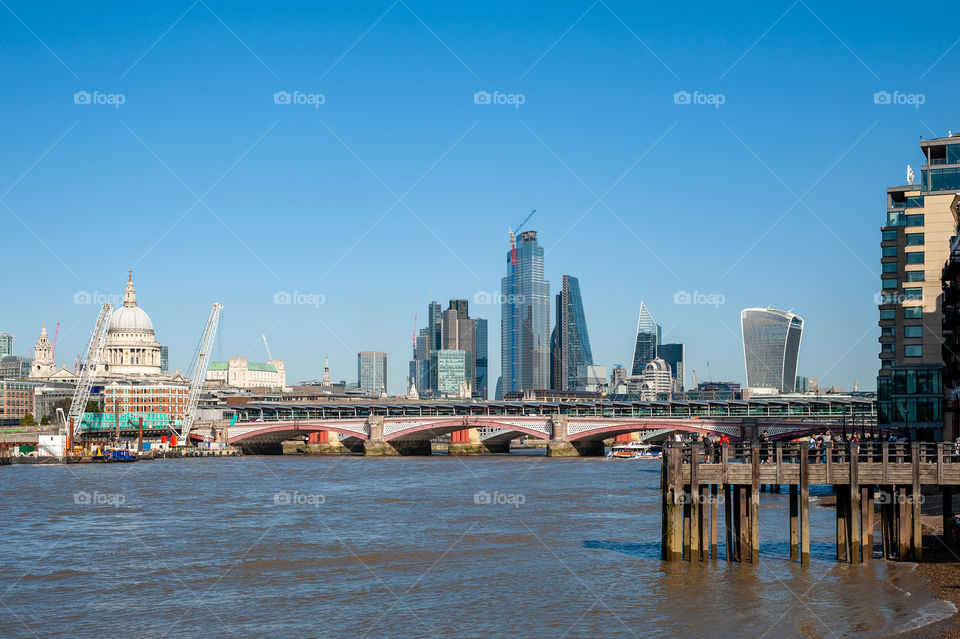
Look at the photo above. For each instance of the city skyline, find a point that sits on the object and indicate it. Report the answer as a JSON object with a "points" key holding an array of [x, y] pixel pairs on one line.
{"points": [[211, 190]]}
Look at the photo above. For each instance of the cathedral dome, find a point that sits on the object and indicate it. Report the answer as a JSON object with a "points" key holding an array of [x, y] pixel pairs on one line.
{"points": [[130, 318]]}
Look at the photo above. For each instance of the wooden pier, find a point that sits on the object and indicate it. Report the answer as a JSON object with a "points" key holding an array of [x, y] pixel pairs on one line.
{"points": [[875, 483]]}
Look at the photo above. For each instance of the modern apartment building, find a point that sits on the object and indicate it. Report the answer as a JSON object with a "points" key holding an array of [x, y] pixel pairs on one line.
{"points": [[915, 247]]}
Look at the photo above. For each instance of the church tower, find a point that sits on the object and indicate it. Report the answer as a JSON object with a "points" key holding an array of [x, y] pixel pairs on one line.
{"points": [[42, 366]]}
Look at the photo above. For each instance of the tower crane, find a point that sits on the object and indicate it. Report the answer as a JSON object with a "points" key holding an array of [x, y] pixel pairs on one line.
{"points": [[53, 351], [200, 370], [81, 395], [267, 346]]}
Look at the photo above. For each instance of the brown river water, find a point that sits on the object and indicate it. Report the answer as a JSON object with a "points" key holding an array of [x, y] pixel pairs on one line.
{"points": [[515, 545]]}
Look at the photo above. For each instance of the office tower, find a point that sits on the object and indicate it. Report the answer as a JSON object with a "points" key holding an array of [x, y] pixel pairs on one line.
{"points": [[525, 317], [164, 359], [918, 302], [460, 306], [6, 344], [771, 345], [480, 359], [674, 355], [372, 371], [448, 369], [645, 345], [434, 324], [569, 343]]}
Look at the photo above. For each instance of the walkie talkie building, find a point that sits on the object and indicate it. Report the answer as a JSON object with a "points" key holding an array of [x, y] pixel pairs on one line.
{"points": [[771, 345]]}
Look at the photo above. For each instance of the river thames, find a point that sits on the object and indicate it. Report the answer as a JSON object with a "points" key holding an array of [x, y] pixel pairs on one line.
{"points": [[515, 545]]}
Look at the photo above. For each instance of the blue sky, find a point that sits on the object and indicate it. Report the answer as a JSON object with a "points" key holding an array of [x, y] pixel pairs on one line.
{"points": [[399, 184]]}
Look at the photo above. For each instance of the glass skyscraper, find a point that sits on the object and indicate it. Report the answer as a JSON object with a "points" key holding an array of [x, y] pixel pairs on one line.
{"points": [[771, 345], [645, 345], [480, 336], [674, 355], [525, 318], [569, 342]]}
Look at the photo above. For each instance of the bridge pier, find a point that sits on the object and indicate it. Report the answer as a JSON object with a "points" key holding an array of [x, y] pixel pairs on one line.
{"points": [[561, 446], [470, 444], [378, 446]]}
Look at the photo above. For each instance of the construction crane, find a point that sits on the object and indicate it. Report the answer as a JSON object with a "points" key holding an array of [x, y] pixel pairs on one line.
{"points": [[200, 371], [695, 383], [267, 346], [94, 352], [53, 351]]}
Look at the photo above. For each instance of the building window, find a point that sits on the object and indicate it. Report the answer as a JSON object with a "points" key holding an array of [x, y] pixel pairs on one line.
{"points": [[887, 284], [912, 331], [913, 293], [914, 239], [889, 251], [889, 267], [888, 313], [888, 348], [915, 276], [889, 236], [914, 201], [888, 331], [914, 258], [914, 350], [912, 312], [914, 220]]}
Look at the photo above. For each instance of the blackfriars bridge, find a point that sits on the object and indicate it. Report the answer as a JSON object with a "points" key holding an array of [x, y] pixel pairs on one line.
{"points": [[569, 428]]}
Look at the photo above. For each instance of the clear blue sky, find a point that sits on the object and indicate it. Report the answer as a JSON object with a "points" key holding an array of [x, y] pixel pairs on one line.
{"points": [[299, 198]]}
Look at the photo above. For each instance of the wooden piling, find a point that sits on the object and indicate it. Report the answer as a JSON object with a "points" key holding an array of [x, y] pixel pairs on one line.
{"points": [[794, 522], [728, 519], [694, 505], [714, 495], [947, 496], [866, 522], [755, 507], [804, 507], [903, 524], [743, 525], [915, 503], [854, 514], [841, 515]]}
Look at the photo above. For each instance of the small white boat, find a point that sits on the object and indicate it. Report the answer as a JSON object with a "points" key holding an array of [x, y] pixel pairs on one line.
{"points": [[635, 450]]}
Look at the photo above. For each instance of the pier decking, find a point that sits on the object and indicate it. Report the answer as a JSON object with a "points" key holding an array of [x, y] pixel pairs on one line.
{"points": [[874, 483]]}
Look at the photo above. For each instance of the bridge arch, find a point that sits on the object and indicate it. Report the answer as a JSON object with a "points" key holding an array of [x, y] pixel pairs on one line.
{"points": [[429, 430], [281, 432]]}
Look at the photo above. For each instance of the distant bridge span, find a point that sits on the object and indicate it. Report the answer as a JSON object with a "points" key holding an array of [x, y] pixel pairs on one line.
{"points": [[411, 435]]}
